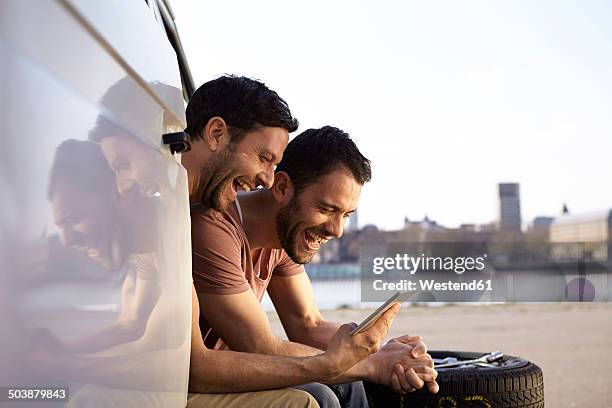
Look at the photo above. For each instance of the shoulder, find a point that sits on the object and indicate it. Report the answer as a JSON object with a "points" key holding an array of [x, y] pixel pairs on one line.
{"points": [[209, 225], [282, 264]]}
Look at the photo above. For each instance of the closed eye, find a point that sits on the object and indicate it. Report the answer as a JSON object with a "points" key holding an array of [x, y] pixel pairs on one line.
{"points": [[68, 221], [266, 159], [120, 165], [326, 210]]}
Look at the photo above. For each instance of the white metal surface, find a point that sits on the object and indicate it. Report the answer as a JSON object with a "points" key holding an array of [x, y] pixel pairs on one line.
{"points": [[95, 255]]}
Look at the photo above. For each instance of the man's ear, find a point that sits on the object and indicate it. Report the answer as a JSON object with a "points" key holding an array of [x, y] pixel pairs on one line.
{"points": [[216, 133], [282, 189]]}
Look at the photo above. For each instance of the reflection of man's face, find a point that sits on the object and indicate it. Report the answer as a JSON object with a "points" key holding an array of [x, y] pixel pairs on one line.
{"points": [[142, 183], [135, 164], [243, 166], [317, 214], [88, 221]]}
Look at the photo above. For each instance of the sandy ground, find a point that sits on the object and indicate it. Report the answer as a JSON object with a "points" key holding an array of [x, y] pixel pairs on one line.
{"points": [[571, 342]]}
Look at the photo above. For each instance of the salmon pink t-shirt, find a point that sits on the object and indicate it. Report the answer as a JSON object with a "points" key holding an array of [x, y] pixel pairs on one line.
{"points": [[223, 263]]}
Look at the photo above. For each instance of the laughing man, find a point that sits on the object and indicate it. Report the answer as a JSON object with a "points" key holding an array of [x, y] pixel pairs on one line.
{"points": [[260, 242]]}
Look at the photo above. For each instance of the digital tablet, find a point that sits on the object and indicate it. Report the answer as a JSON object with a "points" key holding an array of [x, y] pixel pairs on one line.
{"points": [[369, 321]]}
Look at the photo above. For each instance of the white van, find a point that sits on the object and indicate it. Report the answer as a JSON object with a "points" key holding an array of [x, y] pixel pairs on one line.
{"points": [[95, 253]]}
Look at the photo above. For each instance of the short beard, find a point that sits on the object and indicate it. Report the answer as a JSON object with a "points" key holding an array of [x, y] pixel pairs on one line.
{"points": [[216, 174], [287, 231]]}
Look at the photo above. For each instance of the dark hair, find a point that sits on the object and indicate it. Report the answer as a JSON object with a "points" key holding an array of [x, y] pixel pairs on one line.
{"points": [[105, 127], [317, 152], [243, 103], [82, 164]]}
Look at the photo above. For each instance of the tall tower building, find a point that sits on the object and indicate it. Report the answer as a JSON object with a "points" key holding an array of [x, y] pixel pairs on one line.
{"points": [[509, 207]]}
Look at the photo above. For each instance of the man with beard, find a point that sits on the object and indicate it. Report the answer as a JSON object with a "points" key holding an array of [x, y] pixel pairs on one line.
{"points": [[239, 130], [260, 243]]}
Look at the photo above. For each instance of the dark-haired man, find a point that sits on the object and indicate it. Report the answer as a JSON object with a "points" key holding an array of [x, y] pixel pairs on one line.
{"points": [[220, 115], [260, 242]]}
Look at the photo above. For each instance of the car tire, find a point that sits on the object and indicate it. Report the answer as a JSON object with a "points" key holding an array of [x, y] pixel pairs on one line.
{"points": [[515, 383]]}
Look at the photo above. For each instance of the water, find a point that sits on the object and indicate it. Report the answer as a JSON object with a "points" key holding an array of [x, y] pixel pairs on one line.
{"points": [[332, 294]]}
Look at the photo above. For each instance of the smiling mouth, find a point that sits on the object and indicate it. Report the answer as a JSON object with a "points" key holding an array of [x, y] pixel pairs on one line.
{"points": [[240, 185], [92, 249], [95, 252], [314, 241]]}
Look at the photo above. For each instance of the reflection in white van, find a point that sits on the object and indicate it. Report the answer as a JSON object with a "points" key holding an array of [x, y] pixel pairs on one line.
{"points": [[95, 253]]}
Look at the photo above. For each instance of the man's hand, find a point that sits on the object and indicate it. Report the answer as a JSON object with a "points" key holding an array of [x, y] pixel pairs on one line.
{"points": [[344, 350], [415, 342], [404, 365]]}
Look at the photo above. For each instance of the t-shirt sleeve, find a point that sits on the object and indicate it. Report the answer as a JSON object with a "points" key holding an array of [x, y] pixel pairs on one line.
{"points": [[286, 267], [216, 254]]}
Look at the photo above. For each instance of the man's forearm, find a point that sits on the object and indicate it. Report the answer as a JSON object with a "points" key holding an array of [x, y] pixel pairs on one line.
{"points": [[284, 348], [117, 333], [214, 371], [293, 349], [315, 335]]}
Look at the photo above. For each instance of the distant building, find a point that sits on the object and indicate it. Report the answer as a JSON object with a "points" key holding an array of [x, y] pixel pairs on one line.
{"points": [[421, 231], [509, 207], [589, 227], [370, 228], [424, 224], [582, 236], [541, 224], [488, 227], [468, 227]]}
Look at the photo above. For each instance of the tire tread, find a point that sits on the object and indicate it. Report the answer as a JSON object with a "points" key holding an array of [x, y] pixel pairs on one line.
{"points": [[515, 387]]}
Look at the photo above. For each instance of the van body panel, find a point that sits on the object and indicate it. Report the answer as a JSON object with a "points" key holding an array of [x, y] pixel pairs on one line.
{"points": [[95, 252]]}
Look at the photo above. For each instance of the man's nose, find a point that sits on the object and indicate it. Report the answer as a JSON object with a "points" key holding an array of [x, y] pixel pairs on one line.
{"points": [[335, 226], [266, 177], [125, 185]]}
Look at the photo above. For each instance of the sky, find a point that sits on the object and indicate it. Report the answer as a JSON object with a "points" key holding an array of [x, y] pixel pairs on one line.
{"points": [[446, 98]]}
